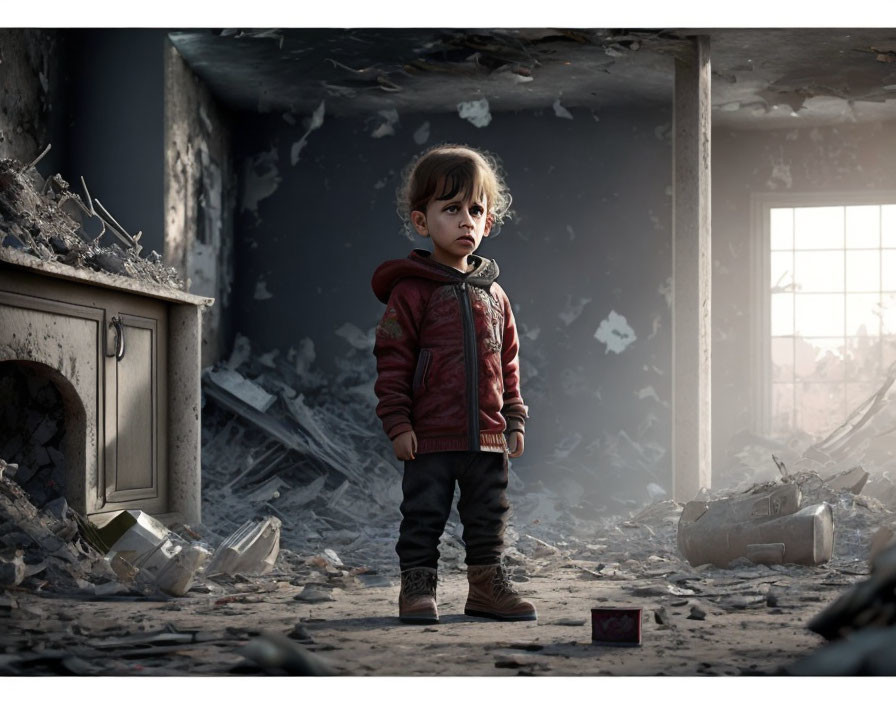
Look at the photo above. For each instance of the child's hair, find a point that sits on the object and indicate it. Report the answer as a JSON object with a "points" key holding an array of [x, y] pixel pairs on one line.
{"points": [[453, 169]]}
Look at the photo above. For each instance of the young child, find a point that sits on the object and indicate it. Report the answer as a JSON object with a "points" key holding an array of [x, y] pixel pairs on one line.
{"points": [[448, 381]]}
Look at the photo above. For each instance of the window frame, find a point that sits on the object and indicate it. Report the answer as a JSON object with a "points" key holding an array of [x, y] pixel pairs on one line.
{"points": [[761, 205]]}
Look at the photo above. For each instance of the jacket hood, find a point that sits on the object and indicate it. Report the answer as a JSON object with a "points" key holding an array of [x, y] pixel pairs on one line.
{"points": [[420, 264]]}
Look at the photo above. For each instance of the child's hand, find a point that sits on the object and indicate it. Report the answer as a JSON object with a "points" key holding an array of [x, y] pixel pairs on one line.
{"points": [[516, 443], [405, 445]]}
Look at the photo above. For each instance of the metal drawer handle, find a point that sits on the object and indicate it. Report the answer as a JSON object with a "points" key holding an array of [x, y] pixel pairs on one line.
{"points": [[119, 339]]}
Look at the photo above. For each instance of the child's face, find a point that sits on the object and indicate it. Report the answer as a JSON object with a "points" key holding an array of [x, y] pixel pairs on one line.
{"points": [[456, 226]]}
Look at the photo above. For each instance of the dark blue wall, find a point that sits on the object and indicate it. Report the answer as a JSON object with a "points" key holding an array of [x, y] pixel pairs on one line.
{"points": [[112, 129], [593, 220]]}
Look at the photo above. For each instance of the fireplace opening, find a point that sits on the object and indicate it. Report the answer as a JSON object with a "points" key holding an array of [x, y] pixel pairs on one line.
{"points": [[42, 426]]}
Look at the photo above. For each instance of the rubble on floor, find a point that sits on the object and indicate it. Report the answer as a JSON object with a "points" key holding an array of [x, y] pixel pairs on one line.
{"points": [[43, 218]]}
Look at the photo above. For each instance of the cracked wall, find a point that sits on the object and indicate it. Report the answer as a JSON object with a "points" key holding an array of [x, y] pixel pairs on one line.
{"points": [[28, 77], [588, 251], [199, 195]]}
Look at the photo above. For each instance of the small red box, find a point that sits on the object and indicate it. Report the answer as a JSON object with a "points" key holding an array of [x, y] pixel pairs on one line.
{"points": [[616, 625]]}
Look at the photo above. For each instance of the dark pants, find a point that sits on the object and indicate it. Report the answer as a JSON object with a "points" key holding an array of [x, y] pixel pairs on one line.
{"points": [[428, 487]]}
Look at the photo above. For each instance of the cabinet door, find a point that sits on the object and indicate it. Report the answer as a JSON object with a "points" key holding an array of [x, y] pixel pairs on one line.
{"points": [[136, 454]]}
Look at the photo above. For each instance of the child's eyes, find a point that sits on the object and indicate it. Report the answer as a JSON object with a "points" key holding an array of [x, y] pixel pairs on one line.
{"points": [[476, 209]]}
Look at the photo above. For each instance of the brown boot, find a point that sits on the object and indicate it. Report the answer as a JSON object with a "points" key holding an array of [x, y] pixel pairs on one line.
{"points": [[417, 599], [493, 596]]}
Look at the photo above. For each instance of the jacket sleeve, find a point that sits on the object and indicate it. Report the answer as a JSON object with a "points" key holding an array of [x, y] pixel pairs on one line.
{"points": [[514, 410], [396, 352]]}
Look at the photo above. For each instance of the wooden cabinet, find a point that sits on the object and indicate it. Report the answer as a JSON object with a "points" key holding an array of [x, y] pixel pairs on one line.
{"points": [[106, 350]]}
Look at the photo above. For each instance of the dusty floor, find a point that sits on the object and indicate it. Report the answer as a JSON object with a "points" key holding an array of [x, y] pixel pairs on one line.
{"points": [[754, 625]]}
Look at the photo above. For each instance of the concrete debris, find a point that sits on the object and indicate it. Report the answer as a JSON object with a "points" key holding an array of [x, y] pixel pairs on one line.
{"points": [[766, 525], [868, 604], [251, 549], [54, 557], [12, 567], [241, 387], [137, 540], [852, 480], [43, 218], [869, 652], [276, 654], [475, 111], [881, 541]]}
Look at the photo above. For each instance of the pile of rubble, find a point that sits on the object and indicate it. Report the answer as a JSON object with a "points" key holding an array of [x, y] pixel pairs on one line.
{"points": [[43, 218]]}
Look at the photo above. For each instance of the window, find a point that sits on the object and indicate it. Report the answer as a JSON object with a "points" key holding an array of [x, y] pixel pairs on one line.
{"points": [[830, 311]]}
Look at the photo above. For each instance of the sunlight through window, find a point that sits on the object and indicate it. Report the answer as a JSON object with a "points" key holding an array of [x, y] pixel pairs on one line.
{"points": [[833, 311]]}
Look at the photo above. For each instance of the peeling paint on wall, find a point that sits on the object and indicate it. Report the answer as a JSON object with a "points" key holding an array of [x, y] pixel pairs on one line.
{"points": [[317, 119], [421, 135], [573, 311], [561, 111], [261, 290], [475, 111], [260, 179], [615, 333], [387, 125]]}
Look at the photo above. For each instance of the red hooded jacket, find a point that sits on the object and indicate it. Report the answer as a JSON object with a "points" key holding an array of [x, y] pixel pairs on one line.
{"points": [[447, 355]]}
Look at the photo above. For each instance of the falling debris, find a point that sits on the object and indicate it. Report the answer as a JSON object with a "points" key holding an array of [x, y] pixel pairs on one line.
{"points": [[421, 134], [261, 290], [475, 111], [387, 125], [260, 179], [561, 111], [615, 333], [317, 120]]}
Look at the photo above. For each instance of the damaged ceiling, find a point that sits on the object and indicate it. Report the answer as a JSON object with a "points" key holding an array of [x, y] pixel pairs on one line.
{"points": [[761, 77]]}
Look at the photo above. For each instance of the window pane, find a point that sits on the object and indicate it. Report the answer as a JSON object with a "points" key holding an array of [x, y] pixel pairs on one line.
{"points": [[819, 314], [818, 271], [888, 351], [782, 408], [856, 395], [863, 270], [782, 271], [863, 226], [888, 314], [863, 358], [818, 228], [782, 314], [888, 225], [782, 359], [781, 228], [862, 314], [888, 270], [820, 358], [819, 407]]}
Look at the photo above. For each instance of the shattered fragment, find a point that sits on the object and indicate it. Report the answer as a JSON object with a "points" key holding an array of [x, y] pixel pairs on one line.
{"points": [[251, 549]]}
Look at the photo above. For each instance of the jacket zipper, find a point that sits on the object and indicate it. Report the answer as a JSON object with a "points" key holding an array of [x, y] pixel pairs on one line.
{"points": [[471, 364]]}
